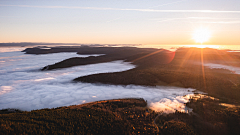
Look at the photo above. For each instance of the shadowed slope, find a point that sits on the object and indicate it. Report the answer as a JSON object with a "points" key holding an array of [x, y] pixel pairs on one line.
{"points": [[185, 70], [110, 54]]}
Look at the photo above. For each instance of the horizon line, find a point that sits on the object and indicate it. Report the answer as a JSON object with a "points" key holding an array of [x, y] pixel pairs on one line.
{"points": [[45, 43]]}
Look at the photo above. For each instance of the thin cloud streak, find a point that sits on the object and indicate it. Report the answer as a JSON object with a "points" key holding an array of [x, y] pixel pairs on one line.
{"points": [[119, 9], [173, 19], [208, 18], [200, 18], [234, 20], [221, 22], [166, 4], [195, 18]]}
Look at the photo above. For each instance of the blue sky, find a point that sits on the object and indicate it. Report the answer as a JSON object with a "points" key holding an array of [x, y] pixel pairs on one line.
{"points": [[119, 21]]}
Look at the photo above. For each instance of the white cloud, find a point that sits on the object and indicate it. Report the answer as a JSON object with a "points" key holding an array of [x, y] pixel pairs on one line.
{"points": [[11, 49], [235, 70], [24, 87]]}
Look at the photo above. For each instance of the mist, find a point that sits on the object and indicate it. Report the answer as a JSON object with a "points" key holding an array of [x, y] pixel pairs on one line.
{"points": [[233, 69], [23, 86]]}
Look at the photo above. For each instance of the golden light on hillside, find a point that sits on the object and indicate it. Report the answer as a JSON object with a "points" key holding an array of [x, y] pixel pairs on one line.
{"points": [[201, 35]]}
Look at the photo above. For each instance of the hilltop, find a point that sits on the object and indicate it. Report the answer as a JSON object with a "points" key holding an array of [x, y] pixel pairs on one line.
{"points": [[183, 68]]}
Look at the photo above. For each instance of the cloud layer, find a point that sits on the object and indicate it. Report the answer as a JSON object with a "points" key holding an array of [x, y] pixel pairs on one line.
{"points": [[24, 87], [233, 69]]}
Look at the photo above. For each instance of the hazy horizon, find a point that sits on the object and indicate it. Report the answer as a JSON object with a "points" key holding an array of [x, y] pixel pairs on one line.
{"points": [[5, 47]]}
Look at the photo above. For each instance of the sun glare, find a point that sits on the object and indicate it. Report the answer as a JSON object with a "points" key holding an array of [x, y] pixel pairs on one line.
{"points": [[201, 35], [203, 46]]}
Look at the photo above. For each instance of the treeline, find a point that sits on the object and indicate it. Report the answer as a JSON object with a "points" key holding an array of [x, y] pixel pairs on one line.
{"points": [[125, 116], [207, 118]]}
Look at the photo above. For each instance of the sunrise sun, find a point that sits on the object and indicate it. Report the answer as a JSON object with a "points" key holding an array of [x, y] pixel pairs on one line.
{"points": [[201, 35]]}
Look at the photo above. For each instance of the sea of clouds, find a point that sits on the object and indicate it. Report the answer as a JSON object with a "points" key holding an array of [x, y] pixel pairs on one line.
{"points": [[23, 86], [233, 69]]}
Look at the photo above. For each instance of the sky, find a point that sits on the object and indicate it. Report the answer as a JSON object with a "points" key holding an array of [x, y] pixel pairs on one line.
{"points": [[119, 21]]}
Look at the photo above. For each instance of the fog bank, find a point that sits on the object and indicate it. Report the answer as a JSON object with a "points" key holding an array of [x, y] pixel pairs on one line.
{"points": [[24, 87], [233, 69]]}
